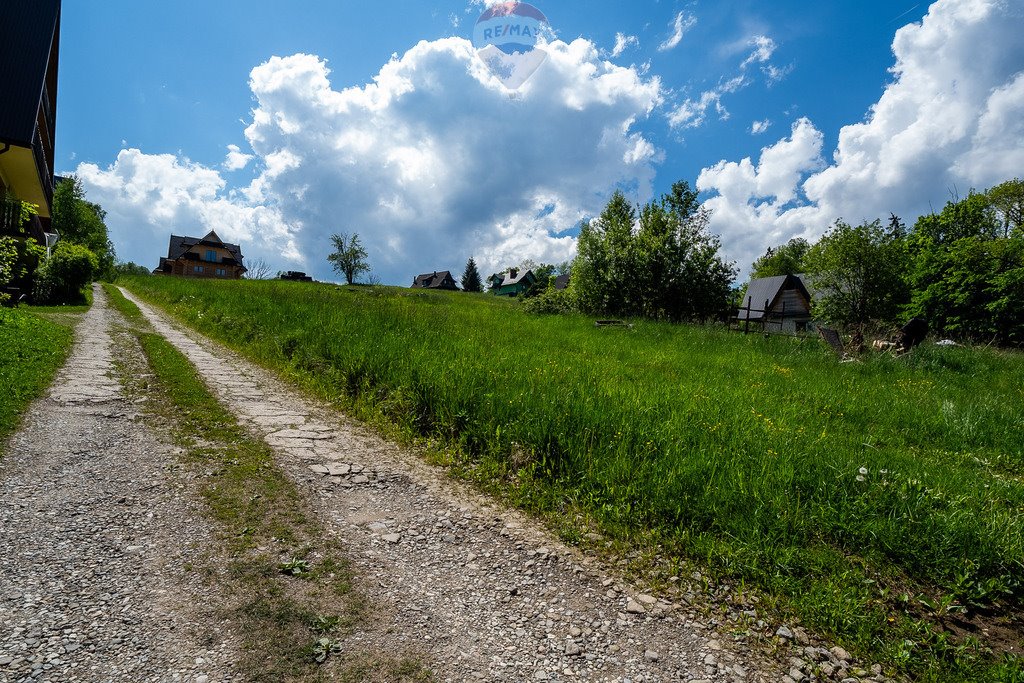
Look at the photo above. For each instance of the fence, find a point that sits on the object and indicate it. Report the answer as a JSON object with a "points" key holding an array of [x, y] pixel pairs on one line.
{"points": [[778, 321]]}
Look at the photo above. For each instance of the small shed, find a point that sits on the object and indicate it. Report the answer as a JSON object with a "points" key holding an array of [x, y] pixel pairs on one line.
{"points": [[435, 280], [512, 283], [781, 304]]}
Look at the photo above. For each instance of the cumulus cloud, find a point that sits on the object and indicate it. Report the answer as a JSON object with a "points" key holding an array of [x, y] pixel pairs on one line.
{"points": [[758, 127], [953, 116], [236, 160], [150, 196], [680, 25], [431, 162], [622, 41]]}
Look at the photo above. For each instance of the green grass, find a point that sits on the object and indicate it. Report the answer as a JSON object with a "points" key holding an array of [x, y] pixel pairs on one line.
{"points": [[740, 454], [32, 349], [265, 527]]}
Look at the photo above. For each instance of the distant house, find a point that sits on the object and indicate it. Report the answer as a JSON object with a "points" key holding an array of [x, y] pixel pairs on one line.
{"points": [[562, 282], [781, 303], [435, 280], [29, 47], [513, 283], [208, 256], [296, 276]]}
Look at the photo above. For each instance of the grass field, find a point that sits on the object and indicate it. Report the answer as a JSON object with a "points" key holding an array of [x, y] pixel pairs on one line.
{"points": [[32, 349], [880, 503]]}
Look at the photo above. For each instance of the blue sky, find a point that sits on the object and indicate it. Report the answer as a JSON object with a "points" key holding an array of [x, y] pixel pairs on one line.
{"points": [[435, 162]]}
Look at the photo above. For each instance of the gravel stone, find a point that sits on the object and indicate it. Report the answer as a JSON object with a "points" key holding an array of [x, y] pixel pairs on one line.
{"points": [[97, 534]]}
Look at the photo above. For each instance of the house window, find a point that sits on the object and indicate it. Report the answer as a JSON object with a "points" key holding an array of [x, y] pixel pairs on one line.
{"points": [[197, 269], [211, 255], [222, 271]]}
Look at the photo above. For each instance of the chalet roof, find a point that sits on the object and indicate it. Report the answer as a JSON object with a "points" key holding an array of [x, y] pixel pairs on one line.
{"points": [[561, 282], [769, 289], [179, 245], [28, 28], [508, 280], [433, 280]]}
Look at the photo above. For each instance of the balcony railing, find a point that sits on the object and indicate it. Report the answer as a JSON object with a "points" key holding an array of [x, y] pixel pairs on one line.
{"points": [[45, 174], [10, 216]]}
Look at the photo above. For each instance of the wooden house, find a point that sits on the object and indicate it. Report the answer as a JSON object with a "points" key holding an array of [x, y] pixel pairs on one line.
{"points": [[435, 280], [513, 283], [29, 47], [208, 257], [780, 304]]}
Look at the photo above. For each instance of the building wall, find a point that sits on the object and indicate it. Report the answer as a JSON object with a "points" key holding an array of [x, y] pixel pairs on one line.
{"points": [[204, 268]]}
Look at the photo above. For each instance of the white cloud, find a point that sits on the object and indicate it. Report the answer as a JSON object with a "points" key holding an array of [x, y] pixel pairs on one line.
{"points": [[692, 112], [622, 41], [952, 117], [236, 160], [149, 196], [430, 163], [758, 127], [764, 48], [773, 74], [680, 25]]}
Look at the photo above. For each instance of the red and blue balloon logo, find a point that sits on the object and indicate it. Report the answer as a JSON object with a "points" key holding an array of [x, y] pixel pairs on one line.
{"points": [[506, 36]]}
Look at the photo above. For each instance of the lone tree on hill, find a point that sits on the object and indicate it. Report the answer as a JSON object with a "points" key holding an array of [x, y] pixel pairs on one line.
{"points": [[471, 278], [349, 257]]}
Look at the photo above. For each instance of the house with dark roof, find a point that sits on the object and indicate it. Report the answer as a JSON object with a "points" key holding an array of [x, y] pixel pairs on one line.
{"points": [[29, 46], [781, 304], [208, 256], [435, 280], [513, 283]]}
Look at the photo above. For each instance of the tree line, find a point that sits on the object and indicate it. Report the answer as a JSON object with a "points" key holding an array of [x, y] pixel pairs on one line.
{"points": [[83, 253], [960, 269]]}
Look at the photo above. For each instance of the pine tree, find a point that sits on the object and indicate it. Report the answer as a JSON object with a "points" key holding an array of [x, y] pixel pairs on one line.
{"points": [[471, 277]]}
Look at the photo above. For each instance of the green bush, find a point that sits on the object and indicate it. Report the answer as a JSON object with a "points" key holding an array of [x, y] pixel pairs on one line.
{"points": [[62, 277], [550, 301]]}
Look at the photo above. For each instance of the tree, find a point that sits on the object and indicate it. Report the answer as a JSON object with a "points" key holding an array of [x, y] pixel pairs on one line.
{"points": [[131, 269], [82, 222], [1007, 199], [860, 272], [62, 277], [349, 257], [968, 267], [258, 269], [787, 259], [661, 263], [471, 277]]}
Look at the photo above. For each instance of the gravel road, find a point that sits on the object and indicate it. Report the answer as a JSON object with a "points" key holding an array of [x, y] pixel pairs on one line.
{"points": [[485, 593], [96, 536]]}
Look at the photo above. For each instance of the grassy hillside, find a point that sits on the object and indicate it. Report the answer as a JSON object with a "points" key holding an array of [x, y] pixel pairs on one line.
{"points": [[880, 502]]}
